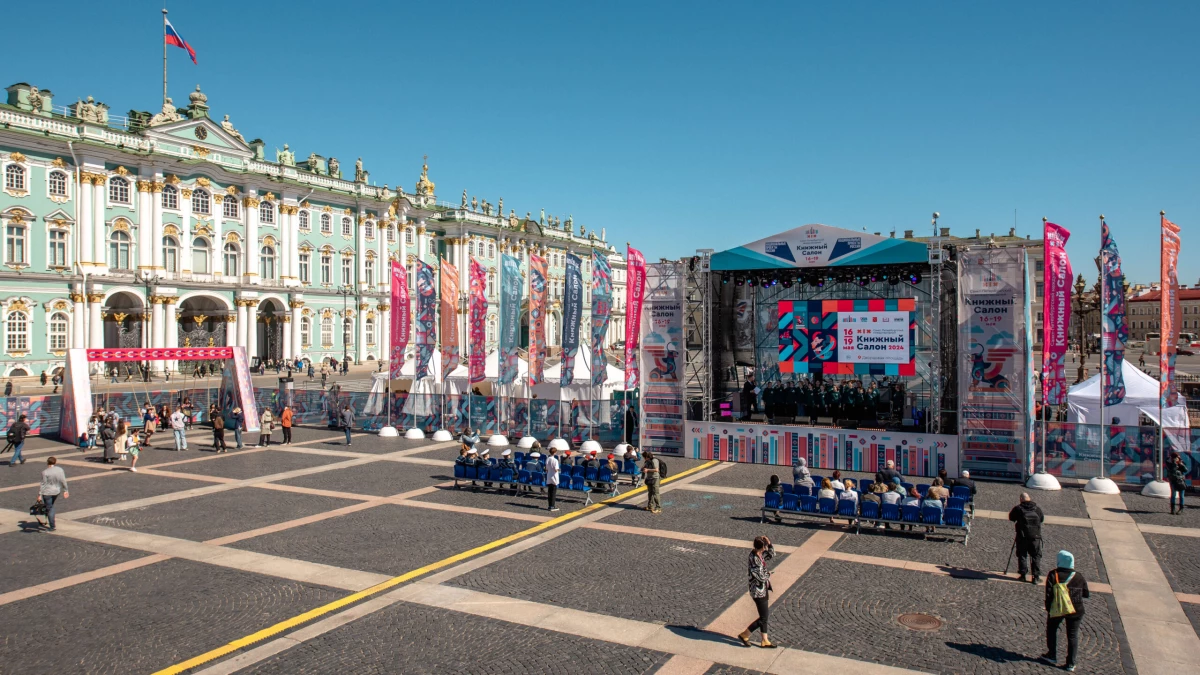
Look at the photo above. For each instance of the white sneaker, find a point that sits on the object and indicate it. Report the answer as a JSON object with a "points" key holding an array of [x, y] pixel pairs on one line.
{"points": [[133, 469]]}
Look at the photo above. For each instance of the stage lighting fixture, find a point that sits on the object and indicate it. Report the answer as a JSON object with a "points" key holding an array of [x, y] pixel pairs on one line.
{"points": [[724, 280], [874, 278], [753, 281], [814, 282], [862, 281], [740, 281], [893, 279], [914, 278]]}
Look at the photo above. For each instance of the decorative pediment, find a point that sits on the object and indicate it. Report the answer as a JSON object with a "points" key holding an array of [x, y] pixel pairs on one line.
{"points": [[201, 133], [59, 218]]}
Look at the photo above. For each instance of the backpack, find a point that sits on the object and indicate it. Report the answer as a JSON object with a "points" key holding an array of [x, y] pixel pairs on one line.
{"points": [[662, 469], [1060, 597], [10, 435]]}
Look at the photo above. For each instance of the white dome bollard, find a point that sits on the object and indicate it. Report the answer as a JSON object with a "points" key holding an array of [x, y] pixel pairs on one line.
{"points": [[1103, 486], [1159, 489], [589, 446], [560, 444], [526, 442], [1043, 481], [388, 432], [442, 435], [497, 440], [414, 433]]}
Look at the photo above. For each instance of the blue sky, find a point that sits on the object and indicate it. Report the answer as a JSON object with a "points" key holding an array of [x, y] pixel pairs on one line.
{"points": [[685, 125]]}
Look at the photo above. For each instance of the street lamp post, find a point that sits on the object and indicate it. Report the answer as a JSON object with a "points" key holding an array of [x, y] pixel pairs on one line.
{"points": [[345, 292], [1080, 284], [150, 281]]}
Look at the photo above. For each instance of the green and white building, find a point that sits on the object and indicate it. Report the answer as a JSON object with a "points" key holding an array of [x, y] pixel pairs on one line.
{"points": [[171, 229]]}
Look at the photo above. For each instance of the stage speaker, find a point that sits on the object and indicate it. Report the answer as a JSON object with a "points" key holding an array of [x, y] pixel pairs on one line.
{"points": [[825, 420], [783, 419]]}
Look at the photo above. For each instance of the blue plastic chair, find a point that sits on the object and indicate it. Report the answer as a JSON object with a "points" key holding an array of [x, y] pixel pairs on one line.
{"points": [[847, 507], [791, 503], [519, 458], [483, 472], [576, 470], [589, 473], [906, 486], [577, 485], [865, 486], [787, 488], [956, 503], [538, 479], [870, 510], [524, 477], [772, 500], [827, 505], [470, 472], [955, 517], [808, 504], [493, 461], [930, 515], [802, 490], [506, 476], [910, 514], [923, 488], [961, 492], [889, 512]]}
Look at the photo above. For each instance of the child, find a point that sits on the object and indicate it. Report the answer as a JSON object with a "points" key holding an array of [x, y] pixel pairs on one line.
{"points": [[132, 448]]}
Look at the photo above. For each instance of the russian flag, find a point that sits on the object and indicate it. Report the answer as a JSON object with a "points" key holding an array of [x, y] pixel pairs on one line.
{"points": [[171, 37]]}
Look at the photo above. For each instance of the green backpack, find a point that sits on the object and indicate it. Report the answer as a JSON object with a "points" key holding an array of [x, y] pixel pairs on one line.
{"points": [[1060, 598]]}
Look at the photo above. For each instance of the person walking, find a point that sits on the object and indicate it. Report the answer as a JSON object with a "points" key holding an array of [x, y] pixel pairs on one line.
{"points": [[179, 429], [347, 420], [285, 422], [150, 422], [16, 435], [218, 422], [108, 437], [552, 477], [1065, 592], [237, 418], [54, 485], [650, 471], [1177, 477], [266, 426], [1028, 518], [760, 591], [133, 446]]}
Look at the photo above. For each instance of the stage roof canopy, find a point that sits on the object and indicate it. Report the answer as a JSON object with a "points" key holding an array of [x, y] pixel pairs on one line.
{"points": [[820, 246]]}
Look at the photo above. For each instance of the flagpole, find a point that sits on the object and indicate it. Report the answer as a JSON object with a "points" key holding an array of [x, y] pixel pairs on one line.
{"points": [[164, 46], [1103, 355], [1162, 286], [1168, 300]]}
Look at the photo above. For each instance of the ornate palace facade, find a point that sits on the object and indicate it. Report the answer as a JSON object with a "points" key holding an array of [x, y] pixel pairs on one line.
{"points": [[171, 229]]}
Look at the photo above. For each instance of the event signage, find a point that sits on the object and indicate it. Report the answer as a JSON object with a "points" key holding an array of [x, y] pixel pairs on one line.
{"points": [[448, 301], [510, 317], [602, 291], [401, 315], [992, 376], [1169, 310], [820, 246], [1056, 284], [537, 319], [635, 291], [873, 337], [662, 392], [1115, 332], [572, 316], [477, 314], [426, 323], [864, 337]]}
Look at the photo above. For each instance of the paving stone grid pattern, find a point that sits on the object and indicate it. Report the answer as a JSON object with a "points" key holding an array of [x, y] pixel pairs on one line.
{"points": [[89, 599]]}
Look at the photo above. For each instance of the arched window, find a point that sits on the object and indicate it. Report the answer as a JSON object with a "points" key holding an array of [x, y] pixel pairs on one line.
{"points": [[304, 220], [491, 277], [58, 183], [266, 264], [201, 202], [230, 257], [170, 197], [433, 247], [370, 326], [200, 254], [408, 236], [347, 227], [327, 331], [391, 234], [16, 329], [58, 332], [119, 248], [369, 272], [229, 207], [15, 244], [171, 253], [369, 230], [266, 213], [14, 177], [326, 223], [348, 332], [118, 190], [491, 250], [305, 331], [470, 248]]}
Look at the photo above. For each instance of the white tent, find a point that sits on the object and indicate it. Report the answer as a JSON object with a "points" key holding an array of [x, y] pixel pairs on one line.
{"points": [[457, 382], [1141, 397], [581, 388]]}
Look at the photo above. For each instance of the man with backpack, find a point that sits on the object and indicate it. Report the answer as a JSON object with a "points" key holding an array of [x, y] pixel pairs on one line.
{"points": [[1065, 591], [654, 470], [1028, 518], [16, 436]]}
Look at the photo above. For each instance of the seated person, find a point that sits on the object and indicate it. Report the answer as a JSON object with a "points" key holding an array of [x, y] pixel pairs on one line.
{"points": [[937, 490], [481, 459], [930, 500], [826, 491], [889, 472], [847, 492], [534, 464], [613, 467], [836, 481], [776, 486], [874, 494], [913, 498], [567, 458], [800, 474], [892, 494], [964, 481], [463, 458], [591, 462], [631, 454], [506, 462]]}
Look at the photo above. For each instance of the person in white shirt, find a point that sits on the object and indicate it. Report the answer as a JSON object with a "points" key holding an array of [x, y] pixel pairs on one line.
{"points": [[836, 481], [552, 477], [178, 427]]}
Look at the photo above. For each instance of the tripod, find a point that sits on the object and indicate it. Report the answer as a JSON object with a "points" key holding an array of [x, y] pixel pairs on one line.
{"points": [[1010, 555]]}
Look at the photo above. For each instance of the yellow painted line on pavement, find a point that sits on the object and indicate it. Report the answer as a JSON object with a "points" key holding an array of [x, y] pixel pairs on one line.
{"points": [[311, 614]]}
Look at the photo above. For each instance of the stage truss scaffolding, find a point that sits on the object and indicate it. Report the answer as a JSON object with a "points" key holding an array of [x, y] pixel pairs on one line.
{"points": [[698, 294]]}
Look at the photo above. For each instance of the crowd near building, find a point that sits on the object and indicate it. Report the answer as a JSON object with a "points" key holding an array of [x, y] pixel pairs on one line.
{"points": [[171, 229]]}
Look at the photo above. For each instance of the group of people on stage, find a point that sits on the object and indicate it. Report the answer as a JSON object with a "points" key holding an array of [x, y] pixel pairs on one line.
{"points": [[839, 399]]}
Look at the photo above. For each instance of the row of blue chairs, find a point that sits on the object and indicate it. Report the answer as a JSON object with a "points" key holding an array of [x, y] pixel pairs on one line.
{"points": [[865, 486], [504, 479], [628, 467], [953, 519]]}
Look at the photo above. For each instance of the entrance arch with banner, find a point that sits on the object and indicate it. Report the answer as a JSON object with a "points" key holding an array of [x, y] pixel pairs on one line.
{"points": [[236, 386]]}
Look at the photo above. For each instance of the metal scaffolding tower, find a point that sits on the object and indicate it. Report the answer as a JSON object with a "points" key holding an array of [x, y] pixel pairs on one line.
{"points": [[698, 387], [934, 421]]}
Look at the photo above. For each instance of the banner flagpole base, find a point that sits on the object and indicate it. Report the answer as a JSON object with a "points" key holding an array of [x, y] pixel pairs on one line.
{"points": [[388, 432], [414, 433], [526, 442], [1159, 489], [589, 446], [442, 435], [1104, 486], [622, 448], [560, 444], [1043, 481], [498, 440]]}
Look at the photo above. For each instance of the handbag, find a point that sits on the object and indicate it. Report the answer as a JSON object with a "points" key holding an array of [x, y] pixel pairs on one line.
{"points": [[38, 508]]}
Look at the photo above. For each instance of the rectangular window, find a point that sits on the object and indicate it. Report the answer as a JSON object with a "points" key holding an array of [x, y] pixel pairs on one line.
{"points": [[348, 271], [58, 248], [326, 270], [14, 245], [1041, 289], [1039, 265], [305, 262]]}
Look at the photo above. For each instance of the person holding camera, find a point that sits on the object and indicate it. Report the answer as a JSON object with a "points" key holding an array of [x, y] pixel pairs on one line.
{"points": [[760, 590]]}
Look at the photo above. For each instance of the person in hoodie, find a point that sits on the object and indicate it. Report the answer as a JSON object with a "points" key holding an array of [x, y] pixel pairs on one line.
{"points": [[1077, 588], [1028, 518]]}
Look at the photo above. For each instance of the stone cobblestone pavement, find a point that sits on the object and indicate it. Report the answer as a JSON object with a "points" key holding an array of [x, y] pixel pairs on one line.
{"points": [[848, 609], [1179, 558], [121, 486], [1004, 496], [1151, 511], [408, 638], [32, 558], [255, 464], [715, 515], [380, 479]]}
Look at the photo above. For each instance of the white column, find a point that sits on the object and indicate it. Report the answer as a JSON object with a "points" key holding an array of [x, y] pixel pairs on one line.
{"points": [[421, 239], [185, 231], [383, 266], [95, 321], [360, 352], [158, 333], [78, 310], [293, 252], [250, 246], [156, 222], [297, 308], [86, 224], [99, 243], [385, 333], [360, 253], [287, 336], [251, 330], [171, 328], [144, 218], [242, 322], [286, 244]]}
